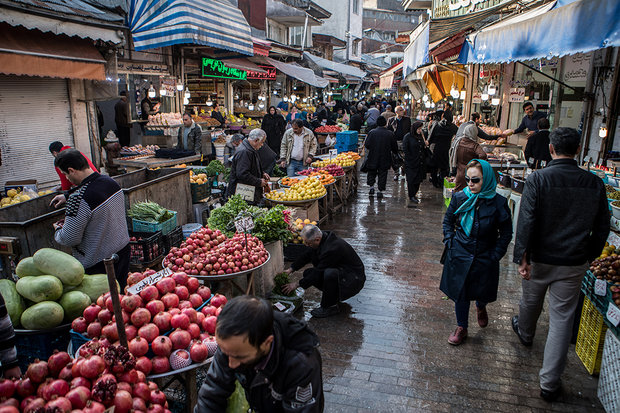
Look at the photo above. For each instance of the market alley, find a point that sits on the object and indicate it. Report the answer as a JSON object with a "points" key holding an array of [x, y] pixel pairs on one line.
{"points": [[388, 351]]}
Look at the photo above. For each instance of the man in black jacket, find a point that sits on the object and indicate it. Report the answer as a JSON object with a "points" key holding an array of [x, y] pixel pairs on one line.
{"points": [[246, 167], [537, 149], [440, 139], [381, 144], [338, 271], [274, 356], [400, 125], [356, 121], [563, 224]]}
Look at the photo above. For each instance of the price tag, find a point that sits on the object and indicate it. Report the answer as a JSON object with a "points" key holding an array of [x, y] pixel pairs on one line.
{"points": [[613, 314], [246, 191], [543, 163], [279, 306], [333, 153], [245, 224], [151, 279], [600, 287]]}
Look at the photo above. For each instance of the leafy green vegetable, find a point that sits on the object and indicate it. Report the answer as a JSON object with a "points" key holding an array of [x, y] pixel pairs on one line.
{"points": [[149, 212], [271, 225], [277, 171], [215, 167], [279, 281]]}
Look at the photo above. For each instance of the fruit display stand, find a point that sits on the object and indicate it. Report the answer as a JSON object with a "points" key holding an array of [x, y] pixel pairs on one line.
{"points": [[40, 344], [306, 204], [152, 162]]}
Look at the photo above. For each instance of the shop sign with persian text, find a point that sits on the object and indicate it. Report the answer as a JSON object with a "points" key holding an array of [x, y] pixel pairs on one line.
{"points": [[270, 73], [217, 69], [516, 95], [453, 8]]}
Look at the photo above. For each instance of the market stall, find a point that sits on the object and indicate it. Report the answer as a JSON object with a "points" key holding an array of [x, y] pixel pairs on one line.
{"points": [[152, 162]]}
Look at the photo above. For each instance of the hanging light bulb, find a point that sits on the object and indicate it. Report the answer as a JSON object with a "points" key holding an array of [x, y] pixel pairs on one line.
{"points": [[209, 102], [187, 94], [454, 92], [427, 104], [275, 92], [251, 107], [162, 91], [432, 104], [463, 94], [152, 92], [261, 105], [285, 98], [304, 100], [485, 94], [492, 89], [602, 132], [185, 101], [495, 101], [236, 96], [425, 98], [179, 85]]}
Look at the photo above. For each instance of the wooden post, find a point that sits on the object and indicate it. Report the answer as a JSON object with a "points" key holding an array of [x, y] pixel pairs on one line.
{"points": [[116, 302]]}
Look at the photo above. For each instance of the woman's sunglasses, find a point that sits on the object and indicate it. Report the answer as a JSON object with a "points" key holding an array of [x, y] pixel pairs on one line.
{"points": [[475, 179]]}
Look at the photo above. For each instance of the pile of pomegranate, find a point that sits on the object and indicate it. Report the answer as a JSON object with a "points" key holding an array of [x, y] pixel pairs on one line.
{"points": [[208, 252], [166, 327], [104, 376]]}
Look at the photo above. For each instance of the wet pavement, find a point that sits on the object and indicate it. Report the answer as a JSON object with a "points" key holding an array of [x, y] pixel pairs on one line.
{"points": [[388, 352]]}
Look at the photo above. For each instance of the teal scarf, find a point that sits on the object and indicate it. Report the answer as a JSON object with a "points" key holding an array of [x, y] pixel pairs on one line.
{"points": [[468, 207]]}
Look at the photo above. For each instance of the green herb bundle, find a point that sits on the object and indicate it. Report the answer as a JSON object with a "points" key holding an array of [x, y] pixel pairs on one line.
{"points": [[149, 212]]}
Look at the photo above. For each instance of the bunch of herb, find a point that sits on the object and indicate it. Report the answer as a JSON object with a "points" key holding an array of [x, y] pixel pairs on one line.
{"points": [[278, 172], [149, 212], [215, 167], [223, 218], [279, 281], [271, 225]]}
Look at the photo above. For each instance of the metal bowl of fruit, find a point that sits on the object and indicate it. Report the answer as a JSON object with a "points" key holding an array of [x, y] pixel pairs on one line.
{"points": [[615, 209]]}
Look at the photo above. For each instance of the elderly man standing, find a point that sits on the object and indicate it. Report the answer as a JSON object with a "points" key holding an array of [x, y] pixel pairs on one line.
{"points": [[563, 225], [400, 125], [189, 137], [297, 148], [337, 269], [246, 168]]}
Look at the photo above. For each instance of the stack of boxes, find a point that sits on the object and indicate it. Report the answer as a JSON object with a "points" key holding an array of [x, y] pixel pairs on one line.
{"points": [[346, 141]]}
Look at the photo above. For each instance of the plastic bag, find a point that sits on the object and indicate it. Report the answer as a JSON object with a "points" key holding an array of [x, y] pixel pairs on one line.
{"points": [[237, 402]]}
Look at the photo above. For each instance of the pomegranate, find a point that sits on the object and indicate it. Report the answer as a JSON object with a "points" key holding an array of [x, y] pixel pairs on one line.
{"points": [[149, 293], [59, 404], [152, 385], [180, 359], [180, 278], [199, 317], [80, 381], [78, 397], [35, 405], [208, 310], [123, 386], [166, 285], [104, 316], [148, 332], [174, 311], [94, 407], [122, 401], [160, 364], [130, 302], [144, 365], [7, 388], [162, 321], [131, 377], [109, 304], [94, 330], [12, 402], [198, 351], [101, 299], [162, 346], [184, 304], [65, 373], [204, 292], [131, 332], [170, 300], [79, 325], [218, 300], [138, 346], [158, 397], [110, 331], [209, 324], [138, 405], [57, 361], [156, 408], [92, 367], [56, 388], [155, 307], [25, 388], [37, 371], [192, 285], [141, 376], [125, 315], [180, 321], [104, 389], [135, 278], [10, 409], [25, 402], [194, 330], [77, 367], [218, 311], [195, 300], [191, 313], [140, 317], [182, 292], [91, 312], [142, 391], [180, 339]]}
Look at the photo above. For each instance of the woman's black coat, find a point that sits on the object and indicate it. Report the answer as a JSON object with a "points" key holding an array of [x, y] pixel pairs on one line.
{"points": [[380, 143], [274, 126], [413, 147], [471, 268]]}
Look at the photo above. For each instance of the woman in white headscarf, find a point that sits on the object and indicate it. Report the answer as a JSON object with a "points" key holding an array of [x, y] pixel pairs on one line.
{"points": [[466, 149]]}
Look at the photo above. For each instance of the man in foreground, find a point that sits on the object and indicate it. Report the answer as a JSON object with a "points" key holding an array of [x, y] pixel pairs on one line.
{"points": [[563, 225], [274, 356], [94, 226], [337, 269]]}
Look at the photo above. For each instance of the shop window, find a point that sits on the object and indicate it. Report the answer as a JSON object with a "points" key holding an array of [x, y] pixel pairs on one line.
{"points": [[277, 32], [356, 6], [296, 35]]}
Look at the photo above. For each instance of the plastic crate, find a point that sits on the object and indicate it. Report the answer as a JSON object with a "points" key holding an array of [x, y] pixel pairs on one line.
{"points": [[173, 239], [601, 302], [591, 337], [609, 378], [200, 191], [347, 137], [164, 227], [40, 345], [147, 247], [350, 148]]}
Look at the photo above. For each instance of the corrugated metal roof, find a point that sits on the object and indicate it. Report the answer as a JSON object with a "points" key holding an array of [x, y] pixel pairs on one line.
{"points": [[73, 8]]}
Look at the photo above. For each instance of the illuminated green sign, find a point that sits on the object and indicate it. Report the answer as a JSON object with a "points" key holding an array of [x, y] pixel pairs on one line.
{"points": [[218, 69]]}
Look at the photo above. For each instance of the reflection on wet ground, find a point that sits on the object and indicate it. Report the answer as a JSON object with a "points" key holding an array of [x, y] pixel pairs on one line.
{"points": [[388, 351]]}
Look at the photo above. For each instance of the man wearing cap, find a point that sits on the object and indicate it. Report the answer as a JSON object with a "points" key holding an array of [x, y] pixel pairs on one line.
{"points": [[112, 150]]}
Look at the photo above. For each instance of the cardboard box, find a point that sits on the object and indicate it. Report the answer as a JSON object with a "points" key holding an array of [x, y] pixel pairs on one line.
{"points": [[20, 185], [311, 212]]}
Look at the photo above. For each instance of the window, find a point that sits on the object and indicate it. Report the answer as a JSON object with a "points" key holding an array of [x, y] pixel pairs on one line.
{"points": [[277, 32], [356, 6], [297, 36], [356, 47]]}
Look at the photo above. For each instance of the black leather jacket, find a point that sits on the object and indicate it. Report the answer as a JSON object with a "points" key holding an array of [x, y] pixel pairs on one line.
{"points": [[291, 381], [564, 216]]}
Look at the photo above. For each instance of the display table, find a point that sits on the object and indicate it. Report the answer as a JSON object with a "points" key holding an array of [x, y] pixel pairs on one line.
{"points": [[152, 162], [248, 274]]}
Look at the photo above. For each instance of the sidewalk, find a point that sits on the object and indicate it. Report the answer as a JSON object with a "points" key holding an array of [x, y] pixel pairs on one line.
{"points": [[388, 351]]}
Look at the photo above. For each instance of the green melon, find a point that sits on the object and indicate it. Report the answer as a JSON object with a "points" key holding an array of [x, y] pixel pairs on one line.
{"points": [[42, 316], [14, 302], [40, 288], [74, 303], [59, 264], [26, 268]]}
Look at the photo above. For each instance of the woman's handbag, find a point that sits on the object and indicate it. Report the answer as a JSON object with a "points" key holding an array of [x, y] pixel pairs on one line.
{"points": [[397, 160]]}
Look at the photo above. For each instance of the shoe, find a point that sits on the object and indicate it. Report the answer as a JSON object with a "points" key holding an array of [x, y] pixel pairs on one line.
{"points": [[515, 327], [379, 194], [550, 396], [414, 200], [371, 191], [459, 335], [322, 312], [396, 177], [483, 317]]}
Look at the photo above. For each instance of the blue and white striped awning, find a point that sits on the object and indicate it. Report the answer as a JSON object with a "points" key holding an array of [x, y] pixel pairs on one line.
{"points": [[158, 23]]}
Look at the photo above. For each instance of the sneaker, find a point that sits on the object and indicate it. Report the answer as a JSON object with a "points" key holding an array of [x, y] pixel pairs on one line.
{"points": [[459, 335], [515, 327], [483, 317], [371, 191], [379, 194], [396, 177], [322, 312], [414, 200]]}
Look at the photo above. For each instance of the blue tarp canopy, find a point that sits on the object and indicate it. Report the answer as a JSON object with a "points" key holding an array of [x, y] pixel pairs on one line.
{"points": [[158, 23], [557, 29], [416, 54]]}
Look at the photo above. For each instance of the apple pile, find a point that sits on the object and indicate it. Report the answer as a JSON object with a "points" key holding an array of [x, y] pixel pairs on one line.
{"points": [[207, 252], [104, 376], [166, 324]]}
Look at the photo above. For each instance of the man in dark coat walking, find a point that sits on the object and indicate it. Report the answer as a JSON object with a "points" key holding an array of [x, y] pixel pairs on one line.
{"points": [[537, 153], [380, 144], [338, 271], [440, 139], [413, 148], [274, 126], [246, 168]]}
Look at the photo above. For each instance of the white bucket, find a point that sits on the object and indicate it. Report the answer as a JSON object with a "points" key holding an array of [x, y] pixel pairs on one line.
{"points": [[189, 228], [219, 152]]}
